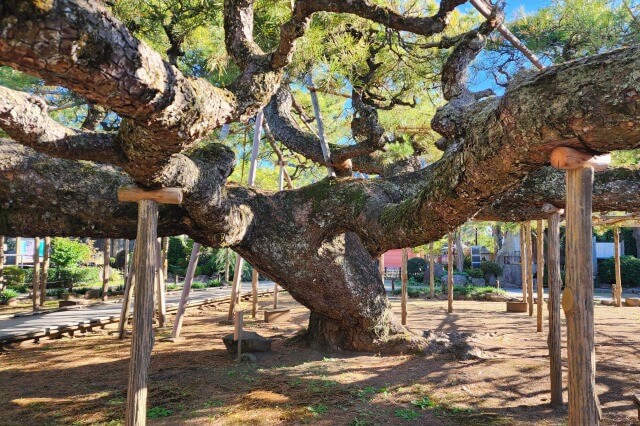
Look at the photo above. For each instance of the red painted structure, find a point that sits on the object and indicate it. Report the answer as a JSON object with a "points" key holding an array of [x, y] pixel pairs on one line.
{"points": [[393, 258]]}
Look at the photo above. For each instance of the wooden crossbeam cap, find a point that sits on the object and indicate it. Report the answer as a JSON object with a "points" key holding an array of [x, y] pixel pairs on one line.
{"points": [[569, 159], [162, 195]]}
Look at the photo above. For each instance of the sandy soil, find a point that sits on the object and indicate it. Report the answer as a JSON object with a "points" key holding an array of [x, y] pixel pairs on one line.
{"points": [[82, 380]]}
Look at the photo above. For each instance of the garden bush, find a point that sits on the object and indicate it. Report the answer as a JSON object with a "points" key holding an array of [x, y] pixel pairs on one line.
{"points": [[490, 268], [66, 253], [72, 275], [7, 295], [474, 273], [20, 288], [198, 285], [416, 268], [14, 275], [629, 271], [214, 283]]}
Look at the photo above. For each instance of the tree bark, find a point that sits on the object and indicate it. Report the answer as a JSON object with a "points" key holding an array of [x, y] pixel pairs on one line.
{"points": [[45, 270], [577, 301], [160, 288], [142, 337], [165, 262], [554, 340], [523, 261]]}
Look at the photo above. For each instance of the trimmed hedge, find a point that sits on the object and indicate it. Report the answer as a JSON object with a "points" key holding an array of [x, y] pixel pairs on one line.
{"points": [[629, 270], [416, 267], [14, 275]]}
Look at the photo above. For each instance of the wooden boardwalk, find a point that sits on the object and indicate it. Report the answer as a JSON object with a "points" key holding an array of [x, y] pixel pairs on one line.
{"points": [[85, 317]]}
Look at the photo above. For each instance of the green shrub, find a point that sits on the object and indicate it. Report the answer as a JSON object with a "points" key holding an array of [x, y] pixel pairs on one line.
{"points": [[20, 288], [7, 294], [72, 275], [629, 271], [214, 283], [416, 268], [198, 285], [177, 256], [14, 275], [490, 268], [66, 252], [55, 292], [172, 287], [474, 291], [474, 273]]}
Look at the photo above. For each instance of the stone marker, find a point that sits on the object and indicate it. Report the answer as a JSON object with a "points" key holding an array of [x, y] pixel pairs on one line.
{"points": [[251, 342]]}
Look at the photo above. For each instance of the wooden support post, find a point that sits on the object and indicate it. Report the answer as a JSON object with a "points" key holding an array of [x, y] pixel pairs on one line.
{"points": [[18, 257], [554, 340], [450, 273], [36, 273], [275, 295], [405, 283], [186, 288], [106, 260], [238, 322], [616, 242], [254, 292], [44, 274], [540, 272], [236, 286], [126, 261], [432, 273], [577, 298], [145, 266], [323, 142], [523, 261], [160, 283], [126, 302], [226, 264], [529, 246], [142, 336], [165, 262], [2, 284]]}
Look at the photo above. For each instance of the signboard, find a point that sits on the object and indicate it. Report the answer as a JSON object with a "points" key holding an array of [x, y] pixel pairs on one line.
{"points": [[476, 257], [26, 247]]}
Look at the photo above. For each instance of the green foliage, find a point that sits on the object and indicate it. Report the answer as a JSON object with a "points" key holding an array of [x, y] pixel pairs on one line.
{"points": [[67, 252], [214, 283], [158, 412], [198, 285], [423, 403], [20, 288], [177, 256], [474, 273], [490, 268], [474, 292], [7, 294], [416, 268], [75, 275], [55, 292], [316, 410], [14, 275], [407, 414], [629, 271]]}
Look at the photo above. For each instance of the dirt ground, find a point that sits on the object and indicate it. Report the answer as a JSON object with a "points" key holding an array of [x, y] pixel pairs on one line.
{"points": [[82, 380]]}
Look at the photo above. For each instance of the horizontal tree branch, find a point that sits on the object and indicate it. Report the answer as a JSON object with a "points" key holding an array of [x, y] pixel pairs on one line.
{"points": [[25, 119]]}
